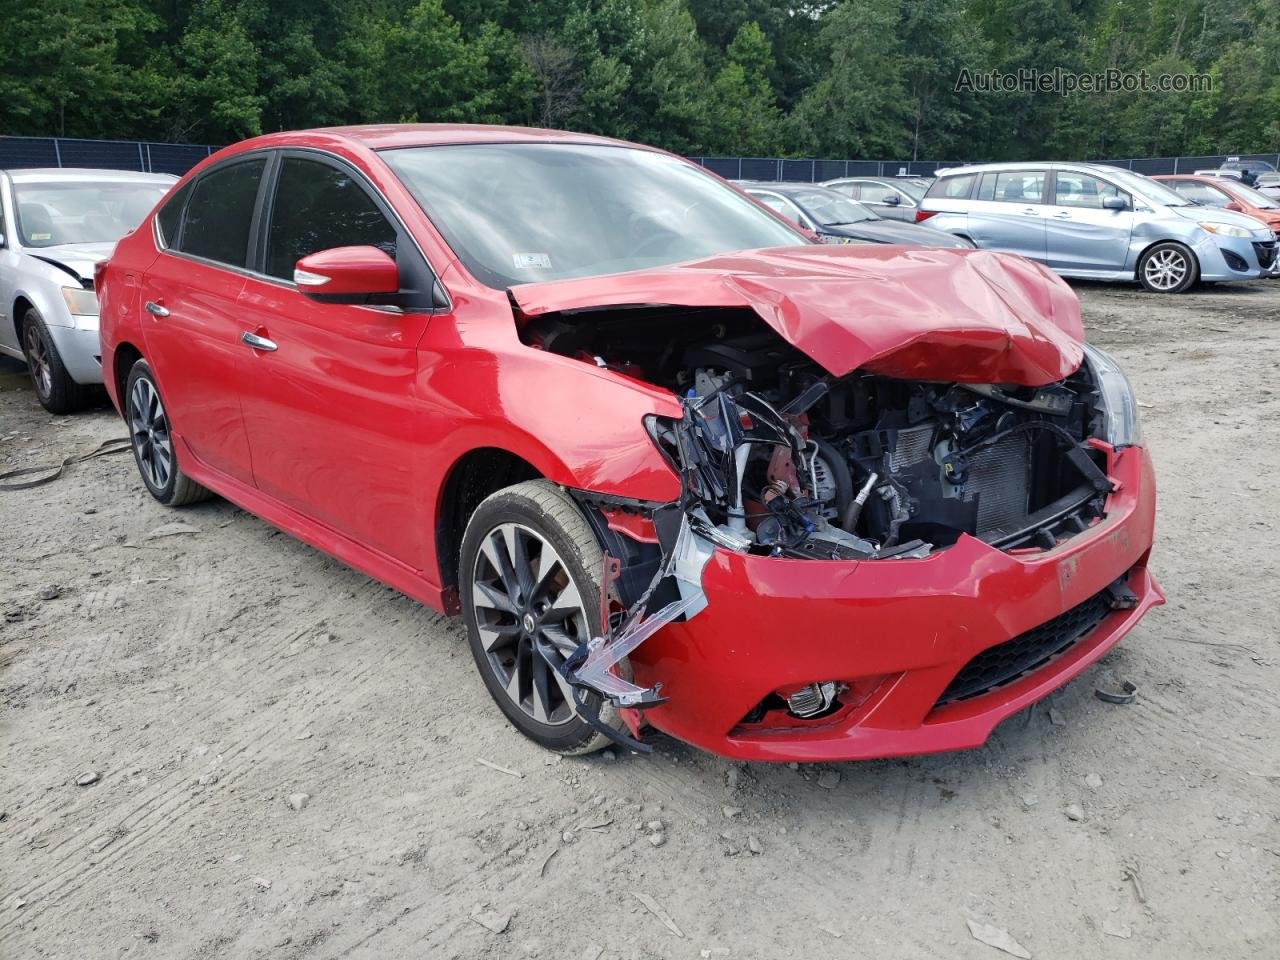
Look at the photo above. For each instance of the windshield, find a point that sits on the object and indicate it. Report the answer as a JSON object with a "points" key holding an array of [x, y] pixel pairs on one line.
{"points": [[1258, 166], [1146, 187], [524, 212], [912, 188], [49, 214], [829, 208], [1251, 196]]}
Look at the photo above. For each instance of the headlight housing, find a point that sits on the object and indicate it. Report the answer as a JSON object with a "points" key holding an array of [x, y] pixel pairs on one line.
{"points": [[1227, 230], [1119, 406], [80, 301]]}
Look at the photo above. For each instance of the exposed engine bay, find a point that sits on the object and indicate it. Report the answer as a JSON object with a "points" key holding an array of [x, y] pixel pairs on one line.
{"points": [[777, 457]]}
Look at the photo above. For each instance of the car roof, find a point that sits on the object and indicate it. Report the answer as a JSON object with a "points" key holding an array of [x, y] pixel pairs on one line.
{"points": [[385, 136], [85, 175], [1027, 165], [782, 186]]}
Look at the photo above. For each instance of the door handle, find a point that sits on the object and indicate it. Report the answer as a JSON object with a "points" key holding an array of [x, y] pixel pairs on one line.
{"points": [[1031, 212], [257, 342], [155, 309], [1062, 216]]}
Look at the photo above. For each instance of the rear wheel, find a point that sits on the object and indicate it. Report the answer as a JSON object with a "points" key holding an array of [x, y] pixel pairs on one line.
{"points": [[530, 570], [152, 442], [1168, 268], [55, 389]]}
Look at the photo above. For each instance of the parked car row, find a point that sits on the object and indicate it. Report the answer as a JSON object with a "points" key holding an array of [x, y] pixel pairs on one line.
{"points": [[655, 445], [1097, 222]]}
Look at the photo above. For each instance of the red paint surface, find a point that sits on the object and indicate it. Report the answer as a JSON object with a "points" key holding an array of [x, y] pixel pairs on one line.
{"points": [[351, 270], [347, 434]]}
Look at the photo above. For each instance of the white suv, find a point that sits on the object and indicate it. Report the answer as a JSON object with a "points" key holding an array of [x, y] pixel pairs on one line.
{"points": [[54, 226]]}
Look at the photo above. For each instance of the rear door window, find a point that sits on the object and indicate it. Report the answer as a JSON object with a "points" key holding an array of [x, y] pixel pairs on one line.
{"points": [[220, 212], [317, 207], [1020, 186]]}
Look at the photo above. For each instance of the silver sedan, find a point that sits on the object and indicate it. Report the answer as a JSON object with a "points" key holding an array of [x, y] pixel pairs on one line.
{"points": [[54, 226]]}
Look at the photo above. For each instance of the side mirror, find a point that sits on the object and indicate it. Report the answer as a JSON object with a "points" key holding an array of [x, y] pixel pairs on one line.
{"points": [[1114, 203], [1233, 206], [891, 200], [346, 274]]}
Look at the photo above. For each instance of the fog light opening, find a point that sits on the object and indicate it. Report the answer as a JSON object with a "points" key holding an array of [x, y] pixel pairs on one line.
{"points": [[811, 700]]}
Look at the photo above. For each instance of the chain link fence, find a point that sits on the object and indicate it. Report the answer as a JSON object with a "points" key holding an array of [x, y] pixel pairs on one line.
{"points": [[178, 158]]}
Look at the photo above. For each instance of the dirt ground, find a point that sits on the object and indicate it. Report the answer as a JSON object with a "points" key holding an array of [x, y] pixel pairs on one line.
{"points": [[209, 676]]}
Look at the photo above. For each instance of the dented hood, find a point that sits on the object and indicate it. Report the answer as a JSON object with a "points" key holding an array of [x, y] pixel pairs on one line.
{"points": [[971, 316]]}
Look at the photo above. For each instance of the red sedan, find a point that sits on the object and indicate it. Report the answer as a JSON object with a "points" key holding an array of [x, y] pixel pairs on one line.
{"points": [[674, 464]]}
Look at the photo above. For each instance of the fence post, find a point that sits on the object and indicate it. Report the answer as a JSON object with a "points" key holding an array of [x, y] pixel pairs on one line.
{"points": [[56, 151], [739, 168]]}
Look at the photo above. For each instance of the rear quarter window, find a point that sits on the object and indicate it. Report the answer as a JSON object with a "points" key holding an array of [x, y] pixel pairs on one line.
{"points": [[952, 188], [169, 217]]}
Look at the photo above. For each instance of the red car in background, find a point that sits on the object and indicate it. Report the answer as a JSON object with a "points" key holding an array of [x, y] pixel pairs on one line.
{"points": [[674, 464], [1229, 194]]}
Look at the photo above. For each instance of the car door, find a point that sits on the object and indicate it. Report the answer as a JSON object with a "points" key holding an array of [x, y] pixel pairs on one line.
{"points": [[190, 319], [1008, 212], [886, 200], [1081, 233], [329, 405]]}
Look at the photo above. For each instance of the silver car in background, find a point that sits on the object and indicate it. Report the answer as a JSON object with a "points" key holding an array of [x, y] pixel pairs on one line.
{"points": [[54, 226], [1098, 222], [889, 197]]}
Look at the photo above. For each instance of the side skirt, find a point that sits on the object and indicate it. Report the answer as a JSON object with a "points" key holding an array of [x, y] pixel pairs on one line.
{"points": [[372, 563]]}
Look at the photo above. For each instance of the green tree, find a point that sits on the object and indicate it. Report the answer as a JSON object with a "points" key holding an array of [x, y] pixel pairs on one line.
{"points": [[857, 108], [60, 66], [744, 115]]}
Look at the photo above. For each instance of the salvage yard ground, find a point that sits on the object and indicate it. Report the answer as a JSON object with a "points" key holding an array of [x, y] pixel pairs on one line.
{"points": [[283, 759]]}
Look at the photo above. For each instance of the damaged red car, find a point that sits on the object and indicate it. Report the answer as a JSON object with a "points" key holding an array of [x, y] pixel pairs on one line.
{"points": [[674, 464]]}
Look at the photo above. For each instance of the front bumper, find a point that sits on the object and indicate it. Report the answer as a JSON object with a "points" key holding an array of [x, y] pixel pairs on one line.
{"points": [[1236, 258], [79, 349], [775, 623]]}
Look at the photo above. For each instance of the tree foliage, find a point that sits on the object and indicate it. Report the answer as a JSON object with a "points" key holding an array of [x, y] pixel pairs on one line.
{"points": [[838, 78]]}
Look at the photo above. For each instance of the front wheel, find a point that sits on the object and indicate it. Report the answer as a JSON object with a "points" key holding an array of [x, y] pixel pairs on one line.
{"points": [[152, 441], [530, 570], [1168, 268], [55, 389]]}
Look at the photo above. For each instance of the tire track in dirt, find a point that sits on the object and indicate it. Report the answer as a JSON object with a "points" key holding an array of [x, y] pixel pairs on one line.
{"points": [[166, 805]]}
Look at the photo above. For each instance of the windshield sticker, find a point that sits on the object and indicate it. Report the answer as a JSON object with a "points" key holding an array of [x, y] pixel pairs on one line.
{"points": [[41, 236], [531, 261]]}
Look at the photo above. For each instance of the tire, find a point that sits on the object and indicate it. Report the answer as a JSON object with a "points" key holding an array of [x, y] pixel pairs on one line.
{"points": [[522, 521], [1168, 267], [151, 439], [55, 389]]}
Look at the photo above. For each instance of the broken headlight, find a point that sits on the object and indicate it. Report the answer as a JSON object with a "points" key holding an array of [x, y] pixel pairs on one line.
{"points": [[1118, 405]]}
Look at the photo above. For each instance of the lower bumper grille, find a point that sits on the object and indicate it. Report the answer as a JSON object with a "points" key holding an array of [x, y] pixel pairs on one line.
{"points": [[1266, 253], [1002, 664]]}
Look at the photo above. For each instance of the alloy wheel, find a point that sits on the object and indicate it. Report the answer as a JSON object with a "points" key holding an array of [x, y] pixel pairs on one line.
{"points": [[38, 361], [1166, 269], [523, 594], [149, 430]]}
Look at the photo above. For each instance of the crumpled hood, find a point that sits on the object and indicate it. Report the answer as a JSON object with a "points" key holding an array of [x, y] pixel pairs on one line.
{"points": [[79, 257], [971, 316]]}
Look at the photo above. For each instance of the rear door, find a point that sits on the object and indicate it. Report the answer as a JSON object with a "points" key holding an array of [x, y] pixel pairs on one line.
{"points": [[1008, 212], [190, 320], [330, 411], [1081, 233]]}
